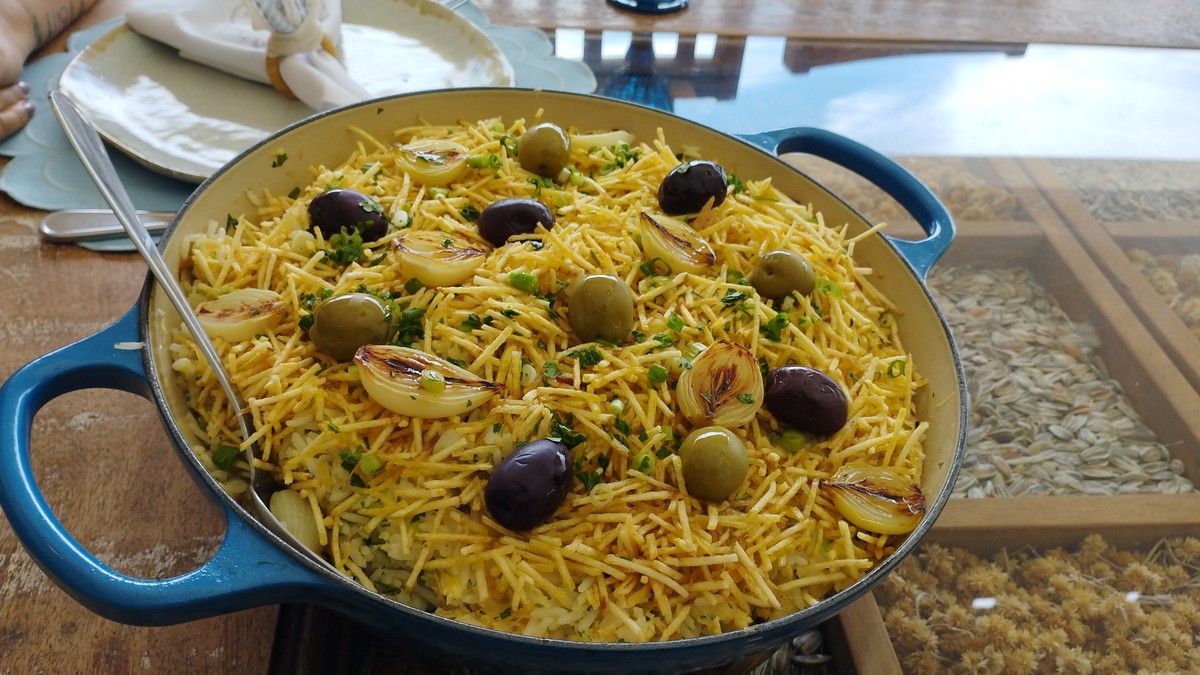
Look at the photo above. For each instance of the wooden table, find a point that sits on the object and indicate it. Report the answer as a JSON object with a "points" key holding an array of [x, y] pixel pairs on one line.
{"points": [[110, 473]]}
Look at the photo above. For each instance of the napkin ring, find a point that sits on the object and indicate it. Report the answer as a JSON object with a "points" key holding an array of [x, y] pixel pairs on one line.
{"points": [[277, 79]]}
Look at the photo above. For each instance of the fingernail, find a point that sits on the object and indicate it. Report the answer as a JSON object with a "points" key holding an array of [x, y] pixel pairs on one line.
{"points": [[23, 86], [28, 106]]}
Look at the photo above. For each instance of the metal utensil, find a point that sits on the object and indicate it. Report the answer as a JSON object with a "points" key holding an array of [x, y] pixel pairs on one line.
{"points": [[87, 144], [72, 225]]}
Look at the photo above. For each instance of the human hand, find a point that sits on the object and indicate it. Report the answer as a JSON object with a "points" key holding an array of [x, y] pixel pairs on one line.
{"points": [[15, 108]]}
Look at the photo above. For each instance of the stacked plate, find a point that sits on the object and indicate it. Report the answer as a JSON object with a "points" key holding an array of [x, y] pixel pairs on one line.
{"points": [[186, 120]]}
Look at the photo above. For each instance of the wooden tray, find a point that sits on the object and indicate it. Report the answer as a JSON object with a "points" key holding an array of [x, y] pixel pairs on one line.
{"points": [[1109, 242], [1156, 389]]}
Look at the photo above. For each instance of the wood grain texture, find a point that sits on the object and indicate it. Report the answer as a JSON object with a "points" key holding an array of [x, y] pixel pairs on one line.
{"points": [[110, 474], [1162, 23]]}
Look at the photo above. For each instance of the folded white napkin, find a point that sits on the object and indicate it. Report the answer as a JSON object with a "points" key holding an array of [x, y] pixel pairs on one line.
{"points": [[247, 37]]}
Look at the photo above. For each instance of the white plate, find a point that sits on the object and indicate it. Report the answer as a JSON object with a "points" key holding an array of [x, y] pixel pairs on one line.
{"points": [[187, 120]]}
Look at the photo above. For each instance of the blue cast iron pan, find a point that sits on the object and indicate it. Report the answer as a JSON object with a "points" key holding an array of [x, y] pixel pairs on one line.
{"points": [[253, 567]]}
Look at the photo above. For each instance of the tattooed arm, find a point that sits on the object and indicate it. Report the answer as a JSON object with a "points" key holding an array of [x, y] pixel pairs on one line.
{"points": [[26, 25]]}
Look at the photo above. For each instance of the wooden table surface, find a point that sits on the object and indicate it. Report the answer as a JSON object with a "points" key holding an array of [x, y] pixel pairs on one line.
{"points": [[108, 469]]}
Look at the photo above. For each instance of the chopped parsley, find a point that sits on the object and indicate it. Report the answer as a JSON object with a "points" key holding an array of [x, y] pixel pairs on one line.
{"points": [[622, 156], [734, 297], [350, 458], [347, 248], [588, 357], [775, 326], [746, 398], [472, 322], [561, 429], [409, 328], [224, 455], [469, 213], [738, 185]]}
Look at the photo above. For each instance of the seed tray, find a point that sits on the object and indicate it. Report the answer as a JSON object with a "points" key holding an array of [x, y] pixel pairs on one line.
{"points": [[1175, 323], [972, 189], [1155, 390]]}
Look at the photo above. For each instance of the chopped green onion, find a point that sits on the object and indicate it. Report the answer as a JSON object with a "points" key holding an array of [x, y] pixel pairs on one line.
{"points": [[675, 322], [523, 281], [655, 267], [643, 462], [616, 407], [370, 463], [413, 285], [657, 373], [432, 380], [792, 441]]}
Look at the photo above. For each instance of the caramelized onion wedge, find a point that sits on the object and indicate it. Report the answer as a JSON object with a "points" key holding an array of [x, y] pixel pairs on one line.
{"points": [[876, 499], [724, 387], [675, 243], [603, 139], [241, 314], [293, 510], [432, 161], [437, 258], [393, 378]]}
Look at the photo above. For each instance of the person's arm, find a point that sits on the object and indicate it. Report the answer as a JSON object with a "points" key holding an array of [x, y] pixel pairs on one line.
{"points": [[26, 25]]}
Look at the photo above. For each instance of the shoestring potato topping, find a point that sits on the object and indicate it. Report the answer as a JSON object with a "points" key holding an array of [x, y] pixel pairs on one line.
{"points": [[477, 457]]}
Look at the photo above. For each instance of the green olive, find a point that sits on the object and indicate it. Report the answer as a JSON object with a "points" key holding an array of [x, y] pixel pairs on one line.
{"points": [[344, 323], [543, 149], [778, 273], [601, 308], [715, 462]]}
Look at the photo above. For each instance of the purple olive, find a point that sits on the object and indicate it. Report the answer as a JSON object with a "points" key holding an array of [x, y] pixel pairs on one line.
{"points": [[806, 399], [338, 209], [690, 185], [516, 215], [529, 485]]}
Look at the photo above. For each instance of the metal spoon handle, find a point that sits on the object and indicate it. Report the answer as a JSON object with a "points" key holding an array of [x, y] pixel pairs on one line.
{"points": [[87, 144], [90, 148]]}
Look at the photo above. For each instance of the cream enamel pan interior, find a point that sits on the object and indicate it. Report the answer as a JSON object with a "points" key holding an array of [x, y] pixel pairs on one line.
{"points": [[326, 140]]}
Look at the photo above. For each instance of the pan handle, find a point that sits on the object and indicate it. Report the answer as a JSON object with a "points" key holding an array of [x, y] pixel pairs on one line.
{"points": [[885, 174], [246, 571]]}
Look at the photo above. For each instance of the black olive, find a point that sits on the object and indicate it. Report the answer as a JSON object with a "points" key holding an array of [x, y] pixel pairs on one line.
{"points": [[806, 399], [529, 485], [690, 185], [335, 210], [516, 215]]}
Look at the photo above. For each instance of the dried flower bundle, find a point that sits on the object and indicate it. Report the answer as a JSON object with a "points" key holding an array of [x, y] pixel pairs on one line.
{"points": [[1095, 610], [1176, 279]]}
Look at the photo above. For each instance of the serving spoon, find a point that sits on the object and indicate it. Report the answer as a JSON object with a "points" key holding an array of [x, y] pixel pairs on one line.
{"points": [[87, 144]]}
